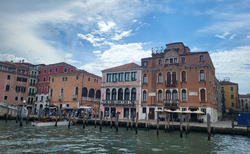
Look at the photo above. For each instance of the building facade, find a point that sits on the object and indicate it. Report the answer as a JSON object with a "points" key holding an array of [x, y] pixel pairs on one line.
{"points": [[75, 89], [121, 91], [230, 96], [244, 102], [179, 79], [44, 73], [14, 83]]}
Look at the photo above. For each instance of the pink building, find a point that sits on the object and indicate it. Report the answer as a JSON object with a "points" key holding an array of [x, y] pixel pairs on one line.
{"points": [[121, 90], [44, 74]]}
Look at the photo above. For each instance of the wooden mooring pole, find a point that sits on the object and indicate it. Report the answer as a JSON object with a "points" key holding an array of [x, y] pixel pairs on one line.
{"points": [[111, 121], [69, 119], [166, 118], [157, 132], [116, 119], [127, 121], [181, 125], [136, 127], [7, 114], [95, 118], [101, 121], [22, 112], [208, 127], [83, 120], [146, 122]]}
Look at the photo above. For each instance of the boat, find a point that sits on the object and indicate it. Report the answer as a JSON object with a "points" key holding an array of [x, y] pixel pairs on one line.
{"points": [[50, 122]]}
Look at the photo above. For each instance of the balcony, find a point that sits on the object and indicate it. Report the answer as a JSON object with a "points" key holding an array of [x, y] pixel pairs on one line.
{"points": [[118, 102], [171, 84], [60, 98], [91, 99], [75, 97], [171, 102]]}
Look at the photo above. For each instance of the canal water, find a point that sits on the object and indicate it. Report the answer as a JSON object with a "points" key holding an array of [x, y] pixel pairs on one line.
{"points": [[61, 139]]}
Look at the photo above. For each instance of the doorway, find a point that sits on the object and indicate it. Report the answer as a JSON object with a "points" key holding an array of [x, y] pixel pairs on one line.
{"points": [[152, 113]]}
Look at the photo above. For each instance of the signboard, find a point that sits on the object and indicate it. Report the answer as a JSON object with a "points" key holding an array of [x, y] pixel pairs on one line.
{"points": [[152, 94], [193, 93]]}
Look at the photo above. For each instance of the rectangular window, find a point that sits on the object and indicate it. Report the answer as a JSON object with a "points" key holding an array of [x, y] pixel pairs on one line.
{"points": [[144, 110], [175, 60], [232, 88], [183, 60], [17, 88], [8, 77], [133, 76], [127, 76], [114, 77], [232, 104], [67, 105], [21, 99], [56, 69], [50, 70], [52, 79], [121, 78], [201, 58], [44, 71], [145, 63], [24, 80], [204, 110], [18, 79], [166, 61], [109, 77], [77, 77], [16, 98], [5, 97], [7, 88]]}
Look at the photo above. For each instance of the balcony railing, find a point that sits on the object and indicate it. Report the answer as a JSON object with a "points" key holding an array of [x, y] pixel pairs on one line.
{"points": [[171, 84], [119, 102], [74, 97], [171, 102], [60, 98], [91, 99]]}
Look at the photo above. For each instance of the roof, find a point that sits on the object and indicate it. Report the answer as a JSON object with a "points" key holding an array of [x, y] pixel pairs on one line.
{"points": [[126, 66], [77, 72], [58, 64], [244, 96], [227, 83], [14, 64]]}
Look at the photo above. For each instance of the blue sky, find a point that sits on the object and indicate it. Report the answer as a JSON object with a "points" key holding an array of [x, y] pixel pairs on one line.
{"points": [[98, 34]]}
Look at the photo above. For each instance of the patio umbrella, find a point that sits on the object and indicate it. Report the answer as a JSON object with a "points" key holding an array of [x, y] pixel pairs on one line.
{"points": [[177, 111], [167, 110], [198, 112]]}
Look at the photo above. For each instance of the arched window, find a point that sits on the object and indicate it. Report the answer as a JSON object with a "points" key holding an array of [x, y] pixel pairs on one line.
{"points": [[107, 94], [174, 78], [61, 92], [145, 78], [43, 79], [159, 95], [168, 95], [183, 76], [98, 94], [168, 79], [202, 75], [184, 95], [127, 94], [160, 78], [84, 92], [51, 92], [91, 93], [120, 94], [144, 96], [113, 94], [76, 91], [175, 95], [133, 94], [203, 95]]}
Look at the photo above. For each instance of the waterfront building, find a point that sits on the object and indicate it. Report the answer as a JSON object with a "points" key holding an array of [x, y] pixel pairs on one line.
{"points": [[44, 73], [32, 89], [230, 98], [244, 102], [121, 91], [218, 99], [175, 78], [14, 83], [75, 89]]}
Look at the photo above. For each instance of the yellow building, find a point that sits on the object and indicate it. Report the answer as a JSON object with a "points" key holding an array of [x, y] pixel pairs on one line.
{"points": [[230, 96]]}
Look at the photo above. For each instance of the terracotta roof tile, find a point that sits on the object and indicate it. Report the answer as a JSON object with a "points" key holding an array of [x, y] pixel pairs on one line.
{"points": [[125, 66]]}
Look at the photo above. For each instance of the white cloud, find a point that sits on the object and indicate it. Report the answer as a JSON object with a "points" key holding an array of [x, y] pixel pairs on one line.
{"points": [[92, 39], [69, 55], [232, 36], [223, 36], [121, 35], [118, 55], [134, 20], [10, 57], [234, 64], [97, 51], [106, 26]]}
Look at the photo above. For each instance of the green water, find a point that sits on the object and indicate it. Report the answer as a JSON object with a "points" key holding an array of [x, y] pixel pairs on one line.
{"points": [[61, 139]]}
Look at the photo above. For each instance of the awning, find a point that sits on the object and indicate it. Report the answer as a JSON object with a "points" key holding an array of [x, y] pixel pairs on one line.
{"points": [[85, 107]]}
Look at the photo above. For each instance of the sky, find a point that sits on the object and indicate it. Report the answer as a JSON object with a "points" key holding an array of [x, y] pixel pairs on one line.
{"points": [[98, 34]]}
